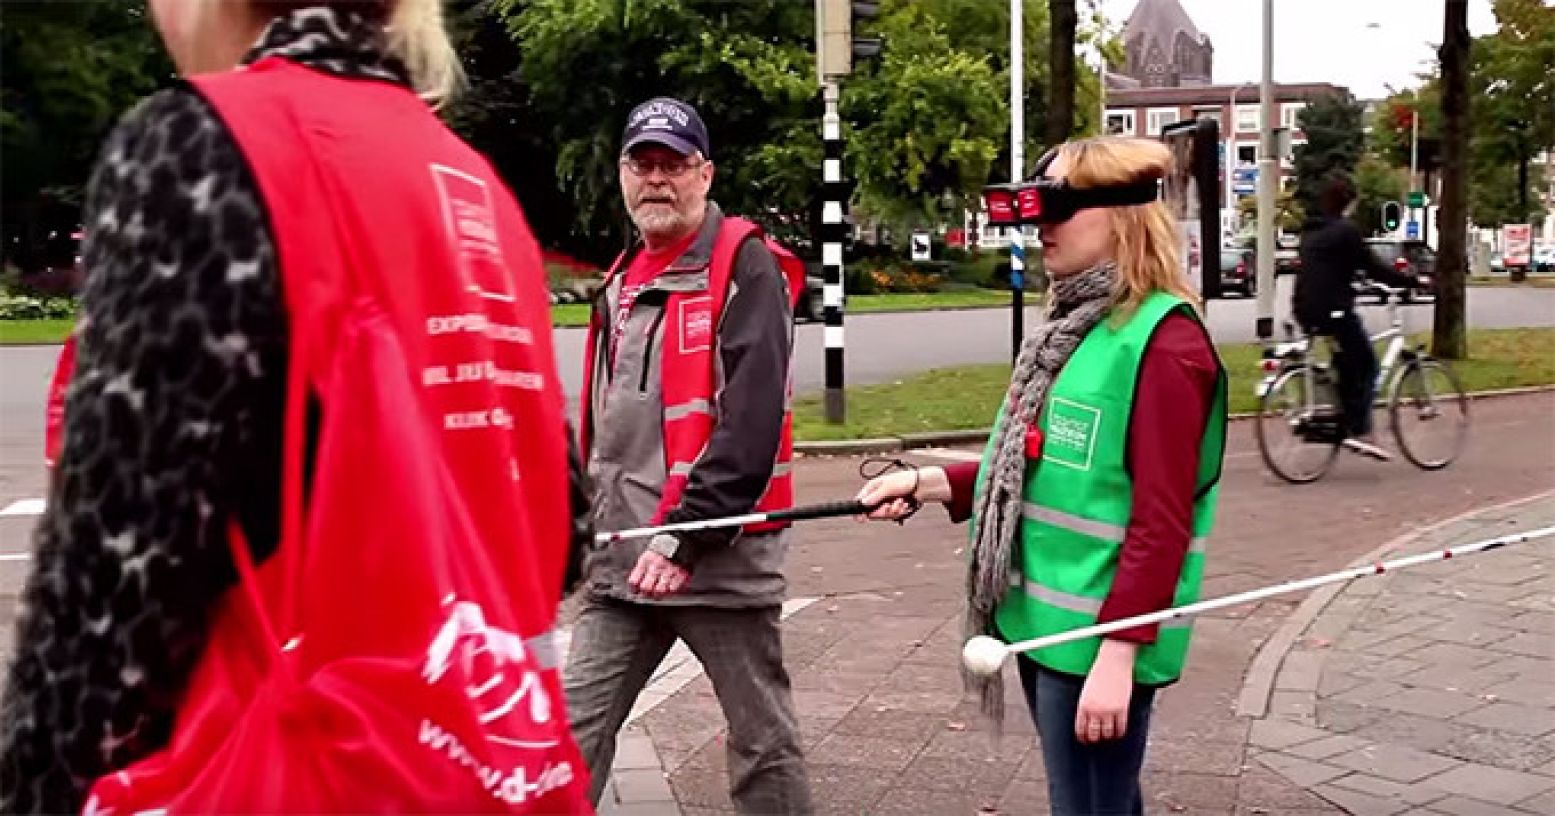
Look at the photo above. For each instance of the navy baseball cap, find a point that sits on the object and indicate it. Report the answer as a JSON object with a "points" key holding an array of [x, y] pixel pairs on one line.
{"points": [[668, 122]]}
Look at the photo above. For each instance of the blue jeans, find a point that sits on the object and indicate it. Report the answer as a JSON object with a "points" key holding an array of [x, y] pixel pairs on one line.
{"points": [[1100, 779]]}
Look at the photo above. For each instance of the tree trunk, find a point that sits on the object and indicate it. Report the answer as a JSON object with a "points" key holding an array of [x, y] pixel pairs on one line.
{"points": [[1061, 33], [1448, 338], [1524, 214]]}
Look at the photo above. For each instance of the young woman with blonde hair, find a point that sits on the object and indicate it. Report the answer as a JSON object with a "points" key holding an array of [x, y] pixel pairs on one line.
{"points": [[289, 217], [1099, 481]]}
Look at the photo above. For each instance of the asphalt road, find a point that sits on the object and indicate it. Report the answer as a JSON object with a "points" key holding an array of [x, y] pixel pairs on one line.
{"points": [[881, 348]]}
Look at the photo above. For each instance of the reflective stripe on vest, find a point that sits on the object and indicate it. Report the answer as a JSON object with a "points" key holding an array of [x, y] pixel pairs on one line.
{"points": [[1114, 533], [1079, 604]]}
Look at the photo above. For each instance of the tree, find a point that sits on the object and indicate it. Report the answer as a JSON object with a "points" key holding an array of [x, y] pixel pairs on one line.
{"points": [[1061, 39], [1336, 138], [495, 114], [1448, 339], [1514, 118], [928, 121], [71, 69], [748, 67]]}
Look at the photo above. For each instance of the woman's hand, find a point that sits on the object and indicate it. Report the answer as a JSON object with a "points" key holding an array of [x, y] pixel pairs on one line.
{"points": [[1103, 712], [896, 492]]}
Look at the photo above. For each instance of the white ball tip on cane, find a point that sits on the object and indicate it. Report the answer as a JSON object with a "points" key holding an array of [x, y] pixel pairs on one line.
{"points": [[984, 656]]}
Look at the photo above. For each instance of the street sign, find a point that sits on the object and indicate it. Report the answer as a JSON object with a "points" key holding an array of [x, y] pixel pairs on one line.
{"points": [[1412, 230], [1416, 200], [920, 246]]}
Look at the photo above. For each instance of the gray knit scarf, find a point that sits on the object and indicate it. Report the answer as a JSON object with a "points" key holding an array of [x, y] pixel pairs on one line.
{"points": [[1078, 303]]}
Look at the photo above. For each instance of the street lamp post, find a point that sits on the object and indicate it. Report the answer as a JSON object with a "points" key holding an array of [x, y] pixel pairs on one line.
{"points": [[1268, 177], [1230, 125]]}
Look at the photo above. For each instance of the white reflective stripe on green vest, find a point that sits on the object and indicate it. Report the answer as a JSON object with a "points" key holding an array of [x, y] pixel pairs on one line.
{"points": [[1079, 496], [1094, 529], [1074, 603]]}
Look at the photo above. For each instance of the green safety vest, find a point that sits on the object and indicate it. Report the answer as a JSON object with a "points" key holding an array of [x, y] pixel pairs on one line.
{"points": [[1078, 499]]}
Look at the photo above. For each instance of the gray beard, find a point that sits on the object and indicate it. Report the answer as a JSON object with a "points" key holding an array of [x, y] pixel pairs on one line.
{"points": [[659, 224]]}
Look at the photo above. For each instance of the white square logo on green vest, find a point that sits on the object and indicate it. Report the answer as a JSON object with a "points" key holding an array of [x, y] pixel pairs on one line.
{"points": [[1071, 434]]}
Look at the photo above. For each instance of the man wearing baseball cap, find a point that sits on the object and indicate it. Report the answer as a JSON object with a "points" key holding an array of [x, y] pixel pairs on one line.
{"points": [[685, 417]]}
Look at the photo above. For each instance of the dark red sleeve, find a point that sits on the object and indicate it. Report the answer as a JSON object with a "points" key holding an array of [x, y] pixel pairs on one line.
{"points": [[1171, 406], [963, 483]]}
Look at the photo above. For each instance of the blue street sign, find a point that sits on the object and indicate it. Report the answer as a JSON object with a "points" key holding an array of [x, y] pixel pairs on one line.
{"points": [[1249, 174], [1244, 189], [1412, 230]]}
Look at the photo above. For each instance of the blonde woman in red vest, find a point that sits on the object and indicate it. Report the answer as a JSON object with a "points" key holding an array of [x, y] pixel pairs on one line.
{"points": [[1099, 481], [174, 422]]}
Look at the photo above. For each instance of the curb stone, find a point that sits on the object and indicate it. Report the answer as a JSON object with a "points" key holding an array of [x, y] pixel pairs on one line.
{"points": [[1259, 685], [935, 439]]}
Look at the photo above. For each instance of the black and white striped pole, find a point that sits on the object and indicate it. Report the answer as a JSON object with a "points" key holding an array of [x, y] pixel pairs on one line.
{"points": [[833, 231]]}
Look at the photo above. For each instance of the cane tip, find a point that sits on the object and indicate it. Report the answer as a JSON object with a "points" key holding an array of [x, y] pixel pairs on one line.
{"points": [[984, 655]]}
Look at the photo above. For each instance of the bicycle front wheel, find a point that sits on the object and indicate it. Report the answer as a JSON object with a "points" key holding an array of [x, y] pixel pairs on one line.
{"points": [[1429, 413], [1299, 426]]}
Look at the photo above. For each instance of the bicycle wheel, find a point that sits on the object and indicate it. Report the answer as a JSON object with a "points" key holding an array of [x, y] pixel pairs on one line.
{"points": [[1298, 436], [1429, 413]]}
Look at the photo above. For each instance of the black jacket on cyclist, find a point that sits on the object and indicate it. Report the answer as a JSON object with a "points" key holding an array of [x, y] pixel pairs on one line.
{"points": [[1332, 251]]}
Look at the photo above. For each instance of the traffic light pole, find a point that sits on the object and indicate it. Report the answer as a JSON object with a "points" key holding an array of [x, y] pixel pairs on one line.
{"points": [[833, 229]]}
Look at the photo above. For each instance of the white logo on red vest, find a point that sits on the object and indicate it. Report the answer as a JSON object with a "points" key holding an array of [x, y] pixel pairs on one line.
{"points": [[514, 709], [696, 324], [498, 672], [470, 221]]}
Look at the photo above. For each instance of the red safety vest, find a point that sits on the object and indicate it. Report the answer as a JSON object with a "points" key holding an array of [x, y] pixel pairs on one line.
{"points": [[688, 365], [393, 655], [54, 412]]}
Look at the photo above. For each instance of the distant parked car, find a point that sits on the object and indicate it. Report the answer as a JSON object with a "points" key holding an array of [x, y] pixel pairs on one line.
{"points": [[1409, 257], [1544, 258], [1238, 271]]}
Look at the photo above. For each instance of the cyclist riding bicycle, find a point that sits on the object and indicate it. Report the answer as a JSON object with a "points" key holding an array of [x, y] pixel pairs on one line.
{"points": [[1332, 251]]}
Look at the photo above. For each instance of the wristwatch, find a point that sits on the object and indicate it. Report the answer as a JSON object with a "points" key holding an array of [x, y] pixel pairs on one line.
{"points": [[668, 546]]}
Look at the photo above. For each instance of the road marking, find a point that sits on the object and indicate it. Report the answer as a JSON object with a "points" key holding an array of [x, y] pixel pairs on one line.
{"points": [[15, 556], [25, 507]]}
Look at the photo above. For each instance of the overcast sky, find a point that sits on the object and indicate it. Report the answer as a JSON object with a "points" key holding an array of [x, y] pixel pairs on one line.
{"points": [[1324, 40]]}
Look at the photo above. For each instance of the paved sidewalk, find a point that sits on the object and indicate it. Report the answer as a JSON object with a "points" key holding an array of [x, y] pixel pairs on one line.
{"points": [[1430, 691], [874, 660]]}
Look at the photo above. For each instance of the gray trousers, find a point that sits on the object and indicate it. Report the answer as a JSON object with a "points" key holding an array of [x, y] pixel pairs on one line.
{"points": [[617, 645]]}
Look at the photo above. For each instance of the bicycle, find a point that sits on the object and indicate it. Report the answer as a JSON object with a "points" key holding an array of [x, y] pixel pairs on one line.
{"points": [[1298, 402]]}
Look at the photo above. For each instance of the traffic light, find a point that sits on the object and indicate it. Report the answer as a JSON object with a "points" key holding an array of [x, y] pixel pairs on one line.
{"points": [[836, 46], [1392, 214]]}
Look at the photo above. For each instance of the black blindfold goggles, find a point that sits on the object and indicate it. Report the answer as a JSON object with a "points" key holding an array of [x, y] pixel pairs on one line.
{"points": [[1042, 200]]}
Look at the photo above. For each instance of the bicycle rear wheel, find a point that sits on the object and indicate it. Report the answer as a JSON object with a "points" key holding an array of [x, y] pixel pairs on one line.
{"points": [[1299, 434], [1429, 413]]}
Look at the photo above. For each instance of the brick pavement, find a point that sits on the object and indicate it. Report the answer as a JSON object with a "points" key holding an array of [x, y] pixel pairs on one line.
{"points": [[887, 728], [1429, 691]]}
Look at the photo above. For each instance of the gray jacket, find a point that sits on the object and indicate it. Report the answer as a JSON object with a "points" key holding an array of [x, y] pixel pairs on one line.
{"points": [[626, 458]]}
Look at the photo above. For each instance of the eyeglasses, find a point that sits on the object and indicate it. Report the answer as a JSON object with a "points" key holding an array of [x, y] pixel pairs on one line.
{"points": [[674, 168]]}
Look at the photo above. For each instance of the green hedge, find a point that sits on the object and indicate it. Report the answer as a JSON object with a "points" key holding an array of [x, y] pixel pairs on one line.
{"points": [[20, 307]]}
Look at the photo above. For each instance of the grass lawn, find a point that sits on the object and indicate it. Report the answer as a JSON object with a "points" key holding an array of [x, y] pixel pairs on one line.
{"points": [[967, 397], [577, 314], [19, 332]]}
